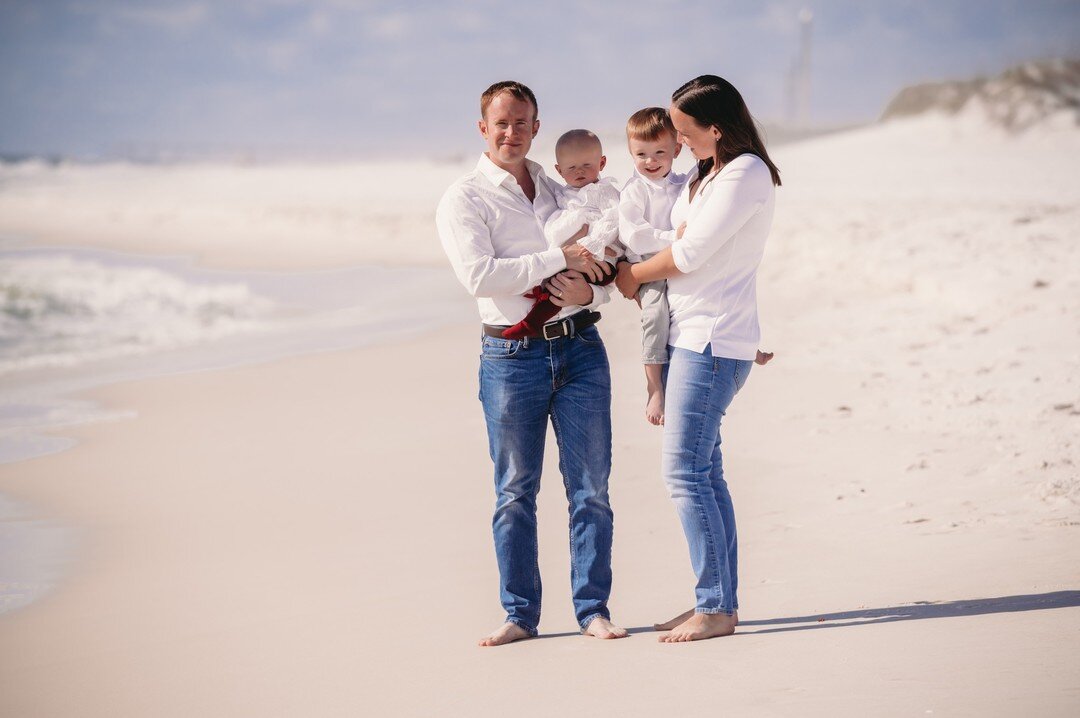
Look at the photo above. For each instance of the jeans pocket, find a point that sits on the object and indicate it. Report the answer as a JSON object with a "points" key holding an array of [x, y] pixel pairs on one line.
{"points": [[589, 335], [499, 348], [742, 372]]}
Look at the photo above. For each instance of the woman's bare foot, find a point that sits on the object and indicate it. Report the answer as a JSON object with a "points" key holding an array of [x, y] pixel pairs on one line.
{"points": [[506, 633], [682, 618], [654, 407], [600, 627], [701, 626]]}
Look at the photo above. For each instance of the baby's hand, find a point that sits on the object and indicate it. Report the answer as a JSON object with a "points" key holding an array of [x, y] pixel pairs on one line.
{"points": [[682, 230]]}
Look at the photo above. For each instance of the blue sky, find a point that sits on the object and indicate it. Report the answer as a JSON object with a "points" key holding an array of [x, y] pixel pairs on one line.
{"points": [[393, 78]]}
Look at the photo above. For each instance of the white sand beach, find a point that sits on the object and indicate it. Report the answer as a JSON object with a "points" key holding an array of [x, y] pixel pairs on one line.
{"points": [[307, 532]]}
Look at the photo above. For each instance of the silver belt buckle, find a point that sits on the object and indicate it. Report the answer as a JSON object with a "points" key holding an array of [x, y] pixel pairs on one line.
{"points": [[565, 325]]}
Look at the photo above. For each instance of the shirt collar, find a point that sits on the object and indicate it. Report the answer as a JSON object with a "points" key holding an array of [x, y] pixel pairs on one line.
{"points": [[497, 175], [672, 178]]}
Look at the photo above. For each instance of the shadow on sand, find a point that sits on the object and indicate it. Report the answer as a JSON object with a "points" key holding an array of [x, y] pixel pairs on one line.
{"points": [[917, 611]]}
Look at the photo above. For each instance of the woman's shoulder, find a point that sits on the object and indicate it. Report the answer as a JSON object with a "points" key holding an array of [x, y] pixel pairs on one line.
{"points": [[748, 162], [751, 169]]}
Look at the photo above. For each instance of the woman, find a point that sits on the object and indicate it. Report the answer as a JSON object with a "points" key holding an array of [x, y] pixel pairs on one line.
{"points": [[723, 218]]}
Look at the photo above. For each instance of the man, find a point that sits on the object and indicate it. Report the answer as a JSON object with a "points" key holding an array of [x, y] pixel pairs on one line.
{"points": [[491, 225]]}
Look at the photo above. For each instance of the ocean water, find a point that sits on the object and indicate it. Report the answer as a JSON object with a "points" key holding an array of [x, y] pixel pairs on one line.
{"points": [[73, 319]]}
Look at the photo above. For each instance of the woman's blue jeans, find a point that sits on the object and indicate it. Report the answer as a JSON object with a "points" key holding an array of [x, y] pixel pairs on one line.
{"points": [[699, 388], [522, 385]]}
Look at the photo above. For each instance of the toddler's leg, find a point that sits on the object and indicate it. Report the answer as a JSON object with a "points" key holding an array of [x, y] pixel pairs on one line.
{"points": [[654, 384], [655, 321]]}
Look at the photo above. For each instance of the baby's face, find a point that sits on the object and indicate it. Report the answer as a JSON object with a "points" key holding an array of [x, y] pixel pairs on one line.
{"points": [[580, 165], [653, 158]]}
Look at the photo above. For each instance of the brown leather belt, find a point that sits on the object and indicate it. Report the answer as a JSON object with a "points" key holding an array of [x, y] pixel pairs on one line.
{"points": [[553, 330]]}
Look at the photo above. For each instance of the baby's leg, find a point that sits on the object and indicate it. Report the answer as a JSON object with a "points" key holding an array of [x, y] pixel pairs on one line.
{"points": [[609, 275], [531, 326], [655, 321]]}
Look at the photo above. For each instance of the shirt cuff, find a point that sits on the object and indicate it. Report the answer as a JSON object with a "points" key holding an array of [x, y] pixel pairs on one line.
{"points": [[678, 256], [553, 261], [600, 295]]}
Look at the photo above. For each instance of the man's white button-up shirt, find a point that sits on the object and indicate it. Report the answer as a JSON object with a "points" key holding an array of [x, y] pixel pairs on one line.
{"points": [[494, 237]]}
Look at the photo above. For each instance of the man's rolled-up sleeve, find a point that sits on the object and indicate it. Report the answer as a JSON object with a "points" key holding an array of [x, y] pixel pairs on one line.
{"points": [[466, 239], [735, 197]]}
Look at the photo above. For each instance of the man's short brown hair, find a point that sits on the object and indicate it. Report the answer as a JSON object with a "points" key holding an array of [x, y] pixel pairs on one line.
{"points": [[516, 89], [649, 124]]}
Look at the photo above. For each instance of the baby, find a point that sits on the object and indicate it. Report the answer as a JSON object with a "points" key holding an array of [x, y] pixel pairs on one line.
{"points": [[588, 213], [645, 228]]}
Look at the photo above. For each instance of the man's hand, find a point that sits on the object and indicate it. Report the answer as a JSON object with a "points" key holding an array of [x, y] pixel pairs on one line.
{"points": [[581, 260], [568, 289], [624, 280]]}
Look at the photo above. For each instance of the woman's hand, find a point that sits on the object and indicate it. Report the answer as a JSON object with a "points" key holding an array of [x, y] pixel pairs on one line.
{"points": [[568, 289], [624, 280], [680, 231]]}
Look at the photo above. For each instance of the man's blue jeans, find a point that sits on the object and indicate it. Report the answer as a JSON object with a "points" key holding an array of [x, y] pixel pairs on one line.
{"points": [[522, 383], [699, 388]]}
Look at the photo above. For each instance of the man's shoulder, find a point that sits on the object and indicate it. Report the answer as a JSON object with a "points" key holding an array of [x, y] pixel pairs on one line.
{"points": [[466, 189]]}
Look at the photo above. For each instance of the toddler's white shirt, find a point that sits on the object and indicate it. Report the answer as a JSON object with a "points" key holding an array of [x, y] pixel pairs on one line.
{"points": [[645, 213]]}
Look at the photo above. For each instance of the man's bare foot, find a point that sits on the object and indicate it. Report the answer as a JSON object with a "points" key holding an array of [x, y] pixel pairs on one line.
{"points": [[654, 407], [682, 618], [763, 358], [701, 626], [506, 633], [600, 627]]}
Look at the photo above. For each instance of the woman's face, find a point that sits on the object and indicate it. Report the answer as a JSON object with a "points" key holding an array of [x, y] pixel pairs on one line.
{"points": [[699, 139]]}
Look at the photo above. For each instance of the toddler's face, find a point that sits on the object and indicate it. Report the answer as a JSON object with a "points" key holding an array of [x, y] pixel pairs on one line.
{"points": [[653, 158], [580, 166]]}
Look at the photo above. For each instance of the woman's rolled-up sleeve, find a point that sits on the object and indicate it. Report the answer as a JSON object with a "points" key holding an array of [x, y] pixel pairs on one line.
{"points": [[735, 196]]}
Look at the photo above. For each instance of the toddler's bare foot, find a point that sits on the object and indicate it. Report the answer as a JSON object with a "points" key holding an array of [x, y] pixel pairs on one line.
{"points": [[506, 633], [600, 627], [681, 618], [763, 358], [654, 407], [701, 626]]}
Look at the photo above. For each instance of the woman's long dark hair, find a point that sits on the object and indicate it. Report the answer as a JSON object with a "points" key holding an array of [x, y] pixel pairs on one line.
{"points": [[713, 101]]}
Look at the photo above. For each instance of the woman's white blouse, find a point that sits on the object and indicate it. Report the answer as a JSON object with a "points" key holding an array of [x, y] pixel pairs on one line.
{"points": [[714, 303]]}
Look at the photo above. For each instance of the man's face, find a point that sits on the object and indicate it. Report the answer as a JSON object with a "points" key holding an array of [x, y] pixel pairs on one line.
{"points": [[580, 165], [653, 158], [509, 126]]}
